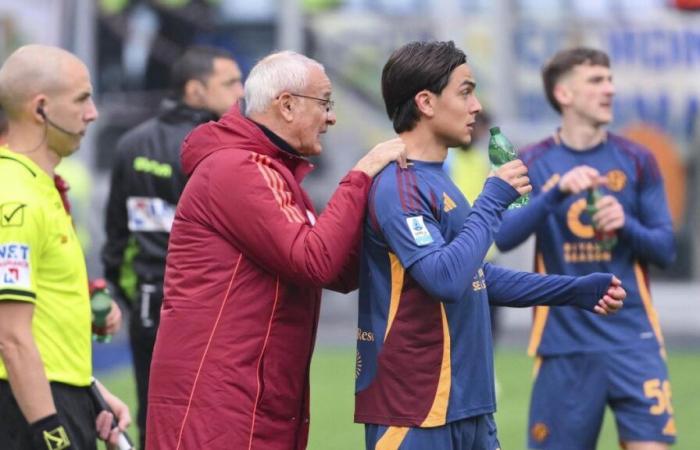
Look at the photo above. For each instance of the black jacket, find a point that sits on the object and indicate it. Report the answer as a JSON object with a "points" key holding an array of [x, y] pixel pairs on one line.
{"points": [[146, 184]]}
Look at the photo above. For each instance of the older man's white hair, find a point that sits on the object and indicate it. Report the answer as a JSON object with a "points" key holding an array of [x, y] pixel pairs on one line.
{"points": [[276, 73]]}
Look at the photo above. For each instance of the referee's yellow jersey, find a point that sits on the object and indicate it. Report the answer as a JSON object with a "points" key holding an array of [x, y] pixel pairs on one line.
{"points": [[41, 262]]}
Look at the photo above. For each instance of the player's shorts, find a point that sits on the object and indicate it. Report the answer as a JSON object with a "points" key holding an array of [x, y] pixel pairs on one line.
{"points": [[474, 433], [571, 392]]}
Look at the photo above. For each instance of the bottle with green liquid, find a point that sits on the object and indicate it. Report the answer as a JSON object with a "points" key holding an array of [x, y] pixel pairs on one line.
{"points": [[502, 151], [606, 240], [101, 305]]}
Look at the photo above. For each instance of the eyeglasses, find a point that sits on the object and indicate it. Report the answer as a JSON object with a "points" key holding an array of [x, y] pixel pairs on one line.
{"points": [[327, 103]]}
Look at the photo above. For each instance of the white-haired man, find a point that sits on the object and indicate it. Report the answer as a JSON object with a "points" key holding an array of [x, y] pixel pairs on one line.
{"points": [[145, 187], [246, 263]]}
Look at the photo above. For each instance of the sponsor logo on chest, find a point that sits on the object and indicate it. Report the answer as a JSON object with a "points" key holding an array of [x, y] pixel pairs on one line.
{"points": [[150, 214]]}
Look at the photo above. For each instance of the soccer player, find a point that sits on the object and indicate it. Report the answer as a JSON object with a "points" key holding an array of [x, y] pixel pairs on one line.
{"points": [[425, 376], [45, 346], [586, 362]]}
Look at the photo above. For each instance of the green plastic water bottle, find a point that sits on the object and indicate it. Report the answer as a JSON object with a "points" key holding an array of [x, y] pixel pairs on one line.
{"points": [[101, 305], [606, 240], [502, 151]]}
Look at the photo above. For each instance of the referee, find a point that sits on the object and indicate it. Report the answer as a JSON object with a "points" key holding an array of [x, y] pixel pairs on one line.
{"points": [[45, 348]]}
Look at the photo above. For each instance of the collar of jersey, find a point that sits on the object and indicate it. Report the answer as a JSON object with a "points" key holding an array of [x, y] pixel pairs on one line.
{"points": [[30, 166], [428, 164]]}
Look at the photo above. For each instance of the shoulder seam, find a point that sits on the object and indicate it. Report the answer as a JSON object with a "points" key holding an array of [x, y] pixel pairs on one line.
{"points": [[534, 151], [636, 152]]}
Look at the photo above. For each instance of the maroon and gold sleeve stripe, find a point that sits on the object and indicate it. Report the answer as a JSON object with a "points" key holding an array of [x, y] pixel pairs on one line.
{"points": [[282, 195]]}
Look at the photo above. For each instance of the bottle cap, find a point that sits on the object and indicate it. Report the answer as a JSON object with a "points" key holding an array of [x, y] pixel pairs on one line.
{"points": [[495, 130], [98, 284]]}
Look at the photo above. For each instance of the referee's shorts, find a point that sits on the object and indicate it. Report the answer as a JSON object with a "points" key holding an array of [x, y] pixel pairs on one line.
{"points": [[76, 411]]}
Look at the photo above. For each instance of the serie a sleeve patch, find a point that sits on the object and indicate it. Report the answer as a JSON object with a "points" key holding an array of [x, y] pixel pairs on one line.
{"points": [[419, 231]]}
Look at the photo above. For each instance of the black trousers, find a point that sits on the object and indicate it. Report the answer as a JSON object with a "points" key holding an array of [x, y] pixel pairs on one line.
{"points": [[145, 316], [75, 408]]}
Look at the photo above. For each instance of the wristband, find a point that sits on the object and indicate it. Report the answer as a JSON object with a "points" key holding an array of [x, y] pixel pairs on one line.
{"points": [[49, 434]]}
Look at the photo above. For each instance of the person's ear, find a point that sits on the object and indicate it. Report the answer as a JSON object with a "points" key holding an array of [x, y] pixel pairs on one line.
{"points": [[562, 94], [195, 94], [38, 105], [425, 102], [286, 106]]}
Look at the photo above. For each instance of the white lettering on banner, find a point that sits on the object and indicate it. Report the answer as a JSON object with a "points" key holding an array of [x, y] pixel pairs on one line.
{"points": [[15, 268], [657, 48], [150, 214]]}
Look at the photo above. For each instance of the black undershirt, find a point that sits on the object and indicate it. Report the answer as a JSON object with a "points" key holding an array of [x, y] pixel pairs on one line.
{"points": [[278, 141]]}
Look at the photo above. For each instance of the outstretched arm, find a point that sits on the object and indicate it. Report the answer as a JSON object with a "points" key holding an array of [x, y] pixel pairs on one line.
{"points": [[598, 292], [446, 273], [275, 231]]}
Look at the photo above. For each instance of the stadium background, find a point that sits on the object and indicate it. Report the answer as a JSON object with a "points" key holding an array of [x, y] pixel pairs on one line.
{"points": [[655, 49]]}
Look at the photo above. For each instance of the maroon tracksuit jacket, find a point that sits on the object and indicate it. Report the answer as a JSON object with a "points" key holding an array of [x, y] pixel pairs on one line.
{"points": [[245, 267]]}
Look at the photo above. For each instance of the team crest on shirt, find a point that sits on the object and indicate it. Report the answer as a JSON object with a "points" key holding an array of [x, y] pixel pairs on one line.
{"points": [[14, 266], [616, 180], [12, 214], [419, 231], [539, 432]]}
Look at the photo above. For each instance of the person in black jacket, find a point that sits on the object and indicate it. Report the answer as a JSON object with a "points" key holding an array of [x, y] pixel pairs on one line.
{"points": [[146, 184]]}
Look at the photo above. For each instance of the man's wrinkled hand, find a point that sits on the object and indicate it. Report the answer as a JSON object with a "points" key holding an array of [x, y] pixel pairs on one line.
{"points": [[381, 155]]}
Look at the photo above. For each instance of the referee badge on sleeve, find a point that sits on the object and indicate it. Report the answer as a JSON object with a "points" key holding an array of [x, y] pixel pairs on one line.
{"points": [[15, 266], [12, 214], [419, 231]]}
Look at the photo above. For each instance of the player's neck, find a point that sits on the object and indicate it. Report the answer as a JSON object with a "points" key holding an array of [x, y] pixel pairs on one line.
{"points": [[423, 145], [33, 146], [581, 136]]}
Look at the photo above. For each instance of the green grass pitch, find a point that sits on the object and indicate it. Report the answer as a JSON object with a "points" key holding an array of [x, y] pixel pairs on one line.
{"points": [[332, 385]]}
